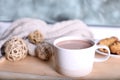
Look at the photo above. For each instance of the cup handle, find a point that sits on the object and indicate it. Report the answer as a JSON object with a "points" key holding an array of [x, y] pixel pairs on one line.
{"points": [[106, 56]]}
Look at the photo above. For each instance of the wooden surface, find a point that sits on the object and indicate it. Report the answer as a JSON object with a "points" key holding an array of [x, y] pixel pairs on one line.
{"points": [[33, 68]]}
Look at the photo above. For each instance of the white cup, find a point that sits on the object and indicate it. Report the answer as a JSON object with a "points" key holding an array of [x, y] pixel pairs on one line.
{"points": [[77, 62]]}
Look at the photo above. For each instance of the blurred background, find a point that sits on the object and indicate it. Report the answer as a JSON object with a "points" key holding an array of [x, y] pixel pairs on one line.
{"points": [[92, 12]]}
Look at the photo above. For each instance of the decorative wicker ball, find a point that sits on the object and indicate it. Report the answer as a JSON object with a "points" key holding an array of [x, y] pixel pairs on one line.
{"points": [[44, 51], [35, 37], [15, 49]]}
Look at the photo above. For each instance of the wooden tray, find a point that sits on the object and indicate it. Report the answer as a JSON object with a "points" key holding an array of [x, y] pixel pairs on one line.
{"points": [[33, 68]]}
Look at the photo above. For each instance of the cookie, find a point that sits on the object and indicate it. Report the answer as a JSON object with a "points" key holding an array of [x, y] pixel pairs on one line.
{"points": [[115, 47]]}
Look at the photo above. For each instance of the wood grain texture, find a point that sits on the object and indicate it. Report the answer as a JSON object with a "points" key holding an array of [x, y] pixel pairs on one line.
{"points": [[33, 68]]}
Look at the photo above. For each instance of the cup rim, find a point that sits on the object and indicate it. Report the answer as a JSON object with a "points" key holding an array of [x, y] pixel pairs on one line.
{"points": [[72, 38]]}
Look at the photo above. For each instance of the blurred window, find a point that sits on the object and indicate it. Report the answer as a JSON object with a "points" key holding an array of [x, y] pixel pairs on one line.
{"points": [[92, 12]]}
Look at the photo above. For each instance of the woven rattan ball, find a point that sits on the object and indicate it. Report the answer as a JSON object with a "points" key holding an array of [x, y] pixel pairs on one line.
{"points": [[15, 49], [35, 37], [44, 51]]}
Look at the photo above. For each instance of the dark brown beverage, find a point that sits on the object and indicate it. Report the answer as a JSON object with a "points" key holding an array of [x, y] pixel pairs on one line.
{"points": [[74, 44]]}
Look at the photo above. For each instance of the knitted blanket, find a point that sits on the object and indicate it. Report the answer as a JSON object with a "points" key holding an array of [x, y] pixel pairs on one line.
{"points": [[22, 27]]}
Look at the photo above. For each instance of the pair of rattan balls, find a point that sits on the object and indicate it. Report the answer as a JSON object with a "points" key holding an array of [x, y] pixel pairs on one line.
{"points": [[43, 50]]}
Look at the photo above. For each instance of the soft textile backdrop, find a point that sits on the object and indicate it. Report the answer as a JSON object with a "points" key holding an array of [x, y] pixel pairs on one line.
{"points": [[90, 11]]}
